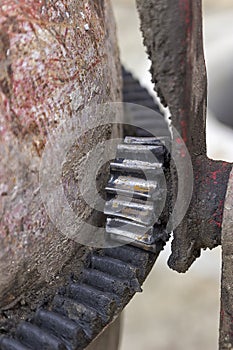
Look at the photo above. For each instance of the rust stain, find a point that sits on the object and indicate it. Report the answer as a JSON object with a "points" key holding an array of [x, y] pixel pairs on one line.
{"points": [[44, 50]]}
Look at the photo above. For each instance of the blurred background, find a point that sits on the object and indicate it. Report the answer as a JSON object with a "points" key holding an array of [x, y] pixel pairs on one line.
{"points": [[176, 311]]}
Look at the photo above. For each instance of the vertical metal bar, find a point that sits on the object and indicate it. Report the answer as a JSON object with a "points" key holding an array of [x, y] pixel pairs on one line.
{"points": [[173, 35], [226, 314]]}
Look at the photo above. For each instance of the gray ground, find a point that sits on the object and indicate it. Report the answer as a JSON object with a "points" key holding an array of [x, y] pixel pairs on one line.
{"points": [[180, 312]]}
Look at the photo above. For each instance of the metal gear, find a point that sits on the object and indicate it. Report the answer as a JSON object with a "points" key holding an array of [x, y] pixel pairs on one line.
{"points": [[136, 192], [80, 310]]}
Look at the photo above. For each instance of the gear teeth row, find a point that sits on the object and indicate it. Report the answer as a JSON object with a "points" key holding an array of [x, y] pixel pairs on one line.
{"points": [[149, 118], [133, 92], [133, 187], [136, 199], [81, 310], [90, 301], [132, 210]]}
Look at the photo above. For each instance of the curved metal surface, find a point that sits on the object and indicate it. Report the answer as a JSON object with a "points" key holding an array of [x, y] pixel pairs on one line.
{"points": [[90, 301]]}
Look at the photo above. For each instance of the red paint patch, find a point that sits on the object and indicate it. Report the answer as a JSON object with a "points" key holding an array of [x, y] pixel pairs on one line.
{"points": [[183, 124], [186, 9]]}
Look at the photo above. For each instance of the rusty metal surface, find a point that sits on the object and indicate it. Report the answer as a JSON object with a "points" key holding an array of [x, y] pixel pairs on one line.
{"points": [[202, 224], [173, 36], [55, 58], [226, 313]]}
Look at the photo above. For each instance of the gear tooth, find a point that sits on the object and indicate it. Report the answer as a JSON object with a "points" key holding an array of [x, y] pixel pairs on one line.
{"points": [[84, 315], [133, 210], [104, 303], [141, 131], [118, 269], [11, 344], [136, 168], [133, 187], [147, 113], [36, 338], [144, 153], [127, 253], [165, 141], [105, 282], [130, 231], [60, 326], [114, 267]]}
